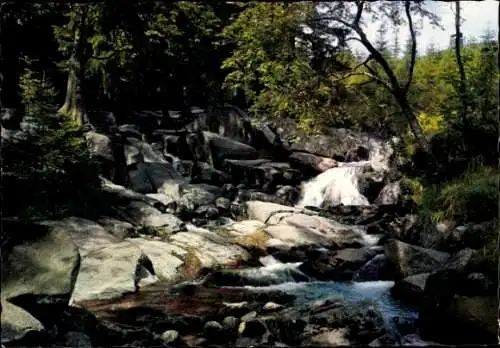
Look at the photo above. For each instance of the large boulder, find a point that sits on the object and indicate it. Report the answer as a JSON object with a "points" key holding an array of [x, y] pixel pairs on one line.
{"points": [[139, 180], [201, 194], [124, 262], [460, 304], [218, 148], [460, 320], [17, 323], [165, 258], [100, 146], [289, 225], [118, 228], [410, 289], [142, 214], [208, 248], [311, 163], [108, 151], [261, 173], [377, 268], [339, 265], [132, 155], [407, 259], [149, 171], [39, 269], [323, 145], [110, 271], [161, 174], [149, 154], [268, 138], [119, 195], [229, 121], [390, 194], [263, 211], [206, 174]]}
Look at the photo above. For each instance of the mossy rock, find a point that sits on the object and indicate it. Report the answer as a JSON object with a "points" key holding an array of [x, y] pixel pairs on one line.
{"points": [[257, 239]]}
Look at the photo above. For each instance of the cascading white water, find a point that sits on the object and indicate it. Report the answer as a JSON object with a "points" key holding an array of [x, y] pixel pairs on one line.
{"points": [[272, 272], [340, 185], [335, 186], [268, 260]]}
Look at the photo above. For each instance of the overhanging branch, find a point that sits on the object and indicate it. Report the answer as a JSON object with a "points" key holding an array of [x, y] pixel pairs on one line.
{"points": [[359, 12]]}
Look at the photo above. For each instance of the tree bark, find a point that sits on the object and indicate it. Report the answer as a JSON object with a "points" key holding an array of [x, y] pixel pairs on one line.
{"points": [[74, 104], [461, 70]]}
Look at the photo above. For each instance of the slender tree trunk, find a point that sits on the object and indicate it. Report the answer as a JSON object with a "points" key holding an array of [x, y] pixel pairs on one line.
{"points": [[74, 104], [461, 70], [400, 92]]}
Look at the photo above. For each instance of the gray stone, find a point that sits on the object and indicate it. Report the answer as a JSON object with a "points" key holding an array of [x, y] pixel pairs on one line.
{"points": [[77, 340], [34, 268], [170, 336], [100, 146], [17, 323], [409, 259]]}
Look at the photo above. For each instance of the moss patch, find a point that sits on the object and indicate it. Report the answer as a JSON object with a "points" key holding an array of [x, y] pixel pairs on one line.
{"points": [[192, 264], [257, 239]]}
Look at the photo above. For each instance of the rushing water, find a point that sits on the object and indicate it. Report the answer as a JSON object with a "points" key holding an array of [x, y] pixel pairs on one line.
{"points": [[335, 186], [279, 276], [372, 293], [339, 185], [376, 293]]}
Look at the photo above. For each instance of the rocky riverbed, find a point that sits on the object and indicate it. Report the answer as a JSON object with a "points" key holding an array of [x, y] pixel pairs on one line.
{"points": [[225, 232]]}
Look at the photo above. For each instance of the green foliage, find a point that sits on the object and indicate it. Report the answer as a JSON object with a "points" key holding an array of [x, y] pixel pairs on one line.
{"points": [[471, 198], [37, 93], [414, 189], [430, 124], [273, 65], [51, 166]]}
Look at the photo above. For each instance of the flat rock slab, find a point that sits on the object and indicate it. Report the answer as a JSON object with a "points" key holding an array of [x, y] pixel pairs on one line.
{"points": [[295, 235], [87, 235], [119, 229], [264, 211], [245, 227], [107, 272], [162, 256], [210, 248]]}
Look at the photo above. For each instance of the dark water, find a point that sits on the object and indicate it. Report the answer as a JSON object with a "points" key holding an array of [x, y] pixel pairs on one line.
{"points": [[373, 293]]}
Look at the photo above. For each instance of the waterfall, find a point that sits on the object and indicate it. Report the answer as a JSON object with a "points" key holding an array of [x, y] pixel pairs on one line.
{"points": [[271, 272], [335, 186]]}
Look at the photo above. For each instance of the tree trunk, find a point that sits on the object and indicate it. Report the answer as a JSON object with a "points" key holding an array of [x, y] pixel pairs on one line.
{"points": [[415, 127], [74, 104], [461, 70]]}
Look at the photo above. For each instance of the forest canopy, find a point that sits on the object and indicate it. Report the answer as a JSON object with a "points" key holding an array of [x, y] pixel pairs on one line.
{"points": [[276, 60]]}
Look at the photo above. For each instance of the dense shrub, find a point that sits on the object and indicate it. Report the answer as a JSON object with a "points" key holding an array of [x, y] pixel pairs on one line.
{"points": [[49, 172], [471, 198]]}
